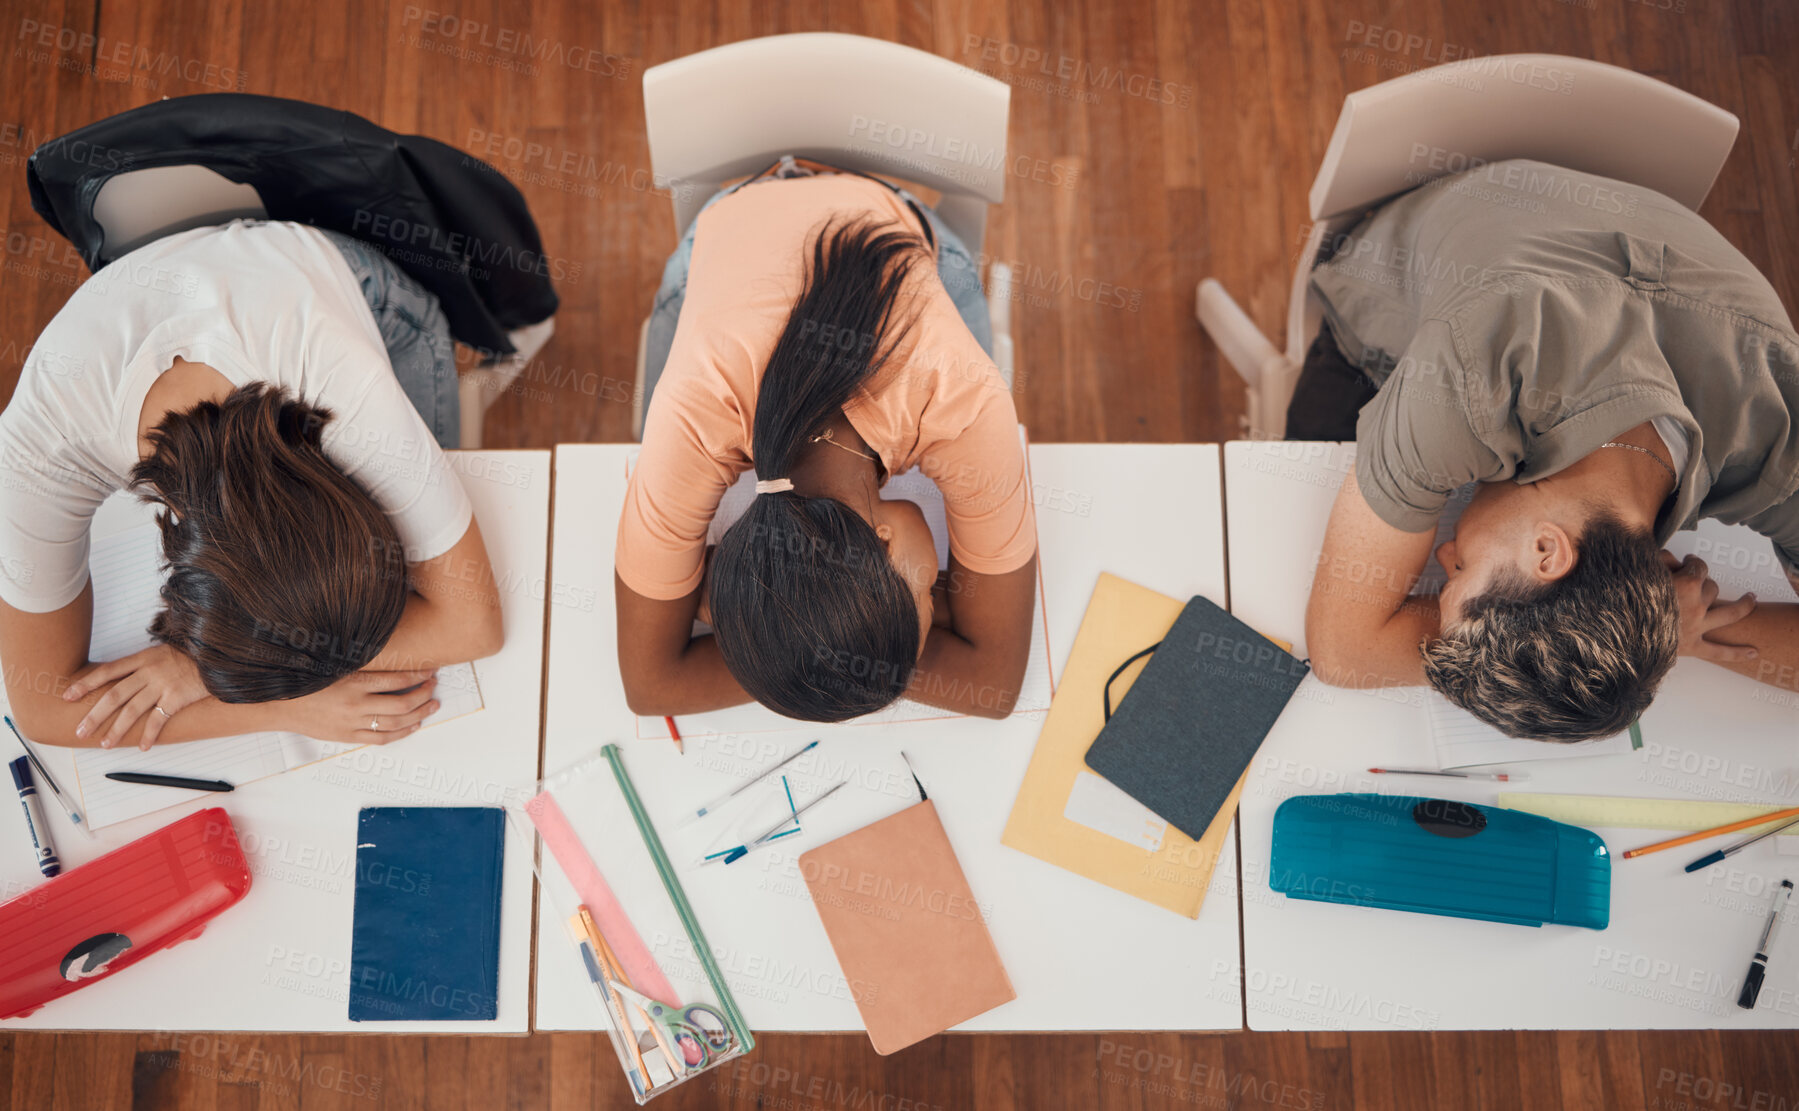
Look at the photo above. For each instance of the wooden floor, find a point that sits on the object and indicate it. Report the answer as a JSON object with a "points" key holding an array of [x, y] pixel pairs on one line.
{"points": [[1114, 191]]}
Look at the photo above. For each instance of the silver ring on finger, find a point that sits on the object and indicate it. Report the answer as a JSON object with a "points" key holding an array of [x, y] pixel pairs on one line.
{"points": [[166, 715], [374, 725]]}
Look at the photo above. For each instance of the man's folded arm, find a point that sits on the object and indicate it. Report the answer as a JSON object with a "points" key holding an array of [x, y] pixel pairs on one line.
{"points": [[1363, 626]]}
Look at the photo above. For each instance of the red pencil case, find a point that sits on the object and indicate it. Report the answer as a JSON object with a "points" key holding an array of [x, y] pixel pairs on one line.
{"points": [[111, 913]]}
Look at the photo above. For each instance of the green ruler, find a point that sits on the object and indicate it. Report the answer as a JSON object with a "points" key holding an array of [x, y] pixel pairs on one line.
{"points": [[1609, 810], [726, 1001]]}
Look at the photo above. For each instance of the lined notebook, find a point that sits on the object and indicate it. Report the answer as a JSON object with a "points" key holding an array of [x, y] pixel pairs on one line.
{"points": [[1035, 690], [425, 939], [906, 928], [1180, 740], [1462, 740], [126, 570]]}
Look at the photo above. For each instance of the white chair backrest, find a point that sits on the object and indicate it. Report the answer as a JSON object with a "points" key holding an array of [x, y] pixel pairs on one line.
{"points": [[138, 206], [860, 103], [1570, 112]]}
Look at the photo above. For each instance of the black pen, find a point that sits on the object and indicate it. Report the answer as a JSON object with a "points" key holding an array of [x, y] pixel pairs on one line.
{"points": [[171, 781]]}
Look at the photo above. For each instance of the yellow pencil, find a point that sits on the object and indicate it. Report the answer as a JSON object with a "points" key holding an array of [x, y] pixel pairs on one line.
{"points": [[603, 950], [616, 971], [1758, 820]]}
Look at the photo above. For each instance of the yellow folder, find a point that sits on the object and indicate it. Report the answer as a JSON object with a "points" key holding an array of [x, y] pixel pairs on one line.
{"points": [[1122, 619]]}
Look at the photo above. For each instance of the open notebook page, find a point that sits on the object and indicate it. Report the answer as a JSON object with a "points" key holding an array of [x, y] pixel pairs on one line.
{"points": [[1462, 740], [127, 576], [1034, 690]]}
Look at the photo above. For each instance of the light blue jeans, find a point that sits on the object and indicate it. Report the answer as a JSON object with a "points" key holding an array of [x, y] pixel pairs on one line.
{"points": [[416, 333], [956, 268]]}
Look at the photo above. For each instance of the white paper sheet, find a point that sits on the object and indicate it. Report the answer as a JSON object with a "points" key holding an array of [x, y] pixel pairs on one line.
{"points": [[1099, 805], [1462, 740], [1034, 691], [126, 569]]}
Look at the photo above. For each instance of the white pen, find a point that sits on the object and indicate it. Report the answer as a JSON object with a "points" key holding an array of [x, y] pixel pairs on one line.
{"points": [[44, 774], [1497, 777], [742, 787]]}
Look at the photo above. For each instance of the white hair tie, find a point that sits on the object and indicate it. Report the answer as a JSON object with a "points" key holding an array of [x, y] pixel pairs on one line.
{"points": [[773, 485]]}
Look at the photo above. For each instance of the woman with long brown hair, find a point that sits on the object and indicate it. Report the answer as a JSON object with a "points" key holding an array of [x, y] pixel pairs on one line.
{"points": [[267, 385]]}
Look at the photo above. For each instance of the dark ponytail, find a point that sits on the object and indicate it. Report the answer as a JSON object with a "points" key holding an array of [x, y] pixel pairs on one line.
{"points": [[808, 611], [284, 574]]}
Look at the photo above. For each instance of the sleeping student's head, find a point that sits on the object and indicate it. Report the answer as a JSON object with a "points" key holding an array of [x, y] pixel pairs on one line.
{"points": [[284, 574], [1559, 619], [820, 604]]}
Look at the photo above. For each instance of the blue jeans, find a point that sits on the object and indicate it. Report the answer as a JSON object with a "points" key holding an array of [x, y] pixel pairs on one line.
{"points": [[956, 268], [416, 334]]}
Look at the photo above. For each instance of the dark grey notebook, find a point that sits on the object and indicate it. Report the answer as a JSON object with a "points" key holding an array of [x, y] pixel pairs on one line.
{"points": [[1190, 724]]}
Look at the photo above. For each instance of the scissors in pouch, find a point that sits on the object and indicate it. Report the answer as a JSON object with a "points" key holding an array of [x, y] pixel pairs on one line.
{"points": [[689, 1036]]}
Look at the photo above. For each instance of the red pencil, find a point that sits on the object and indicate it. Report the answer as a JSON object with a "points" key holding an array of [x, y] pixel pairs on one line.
{"points": [[676, 734]]}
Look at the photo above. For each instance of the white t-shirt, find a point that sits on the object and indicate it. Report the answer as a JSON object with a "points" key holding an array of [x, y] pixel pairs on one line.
{"points": [[257, 301], [1674, 438]]}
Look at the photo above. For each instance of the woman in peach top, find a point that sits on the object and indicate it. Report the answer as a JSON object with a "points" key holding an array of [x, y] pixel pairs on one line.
{"points": [[817, 344]]}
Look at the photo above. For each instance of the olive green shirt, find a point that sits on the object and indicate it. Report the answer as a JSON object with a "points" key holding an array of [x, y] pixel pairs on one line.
{"points": [[1519, 315]]}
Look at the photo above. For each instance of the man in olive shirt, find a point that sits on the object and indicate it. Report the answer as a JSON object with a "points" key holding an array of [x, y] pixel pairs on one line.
{"points": [[1610, 370]]}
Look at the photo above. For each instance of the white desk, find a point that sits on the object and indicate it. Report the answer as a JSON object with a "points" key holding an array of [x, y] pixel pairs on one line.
{"points": [[280, 959], [1677, 947], [1080, 955]]}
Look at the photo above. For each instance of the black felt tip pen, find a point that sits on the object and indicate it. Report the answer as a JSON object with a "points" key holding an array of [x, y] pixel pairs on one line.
{"points": [[1758, 965], [171, 781]]}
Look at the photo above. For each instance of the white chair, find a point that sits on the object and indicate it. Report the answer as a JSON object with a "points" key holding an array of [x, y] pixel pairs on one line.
{"points": [[139, 206], [1570, 112], [859, 103]]}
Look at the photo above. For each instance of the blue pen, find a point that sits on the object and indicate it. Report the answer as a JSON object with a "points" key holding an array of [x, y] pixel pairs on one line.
{"points": [[44, 774], [744, 850], [47, 861], [593, 972]]}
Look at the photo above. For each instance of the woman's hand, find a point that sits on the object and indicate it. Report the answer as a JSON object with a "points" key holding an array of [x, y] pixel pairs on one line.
{"points": [[365, 707], [155, 684], [1701, 612]]}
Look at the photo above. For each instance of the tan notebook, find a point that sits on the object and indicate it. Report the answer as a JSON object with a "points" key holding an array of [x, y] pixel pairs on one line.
{"points": [[907, 930]]}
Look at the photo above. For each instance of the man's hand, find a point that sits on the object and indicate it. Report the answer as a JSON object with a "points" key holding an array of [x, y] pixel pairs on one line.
{"points": [[1702, 613]]}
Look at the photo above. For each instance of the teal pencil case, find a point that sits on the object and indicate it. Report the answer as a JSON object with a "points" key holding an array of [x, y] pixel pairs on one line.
{"points": [[1439, 856]]}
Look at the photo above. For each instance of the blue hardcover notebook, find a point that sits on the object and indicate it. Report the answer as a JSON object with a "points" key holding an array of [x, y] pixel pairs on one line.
{"points": [[425, 941]]}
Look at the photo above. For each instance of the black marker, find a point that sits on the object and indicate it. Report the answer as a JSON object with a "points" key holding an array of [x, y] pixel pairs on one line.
{"points": [[1758, 965], [47, 861]]}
